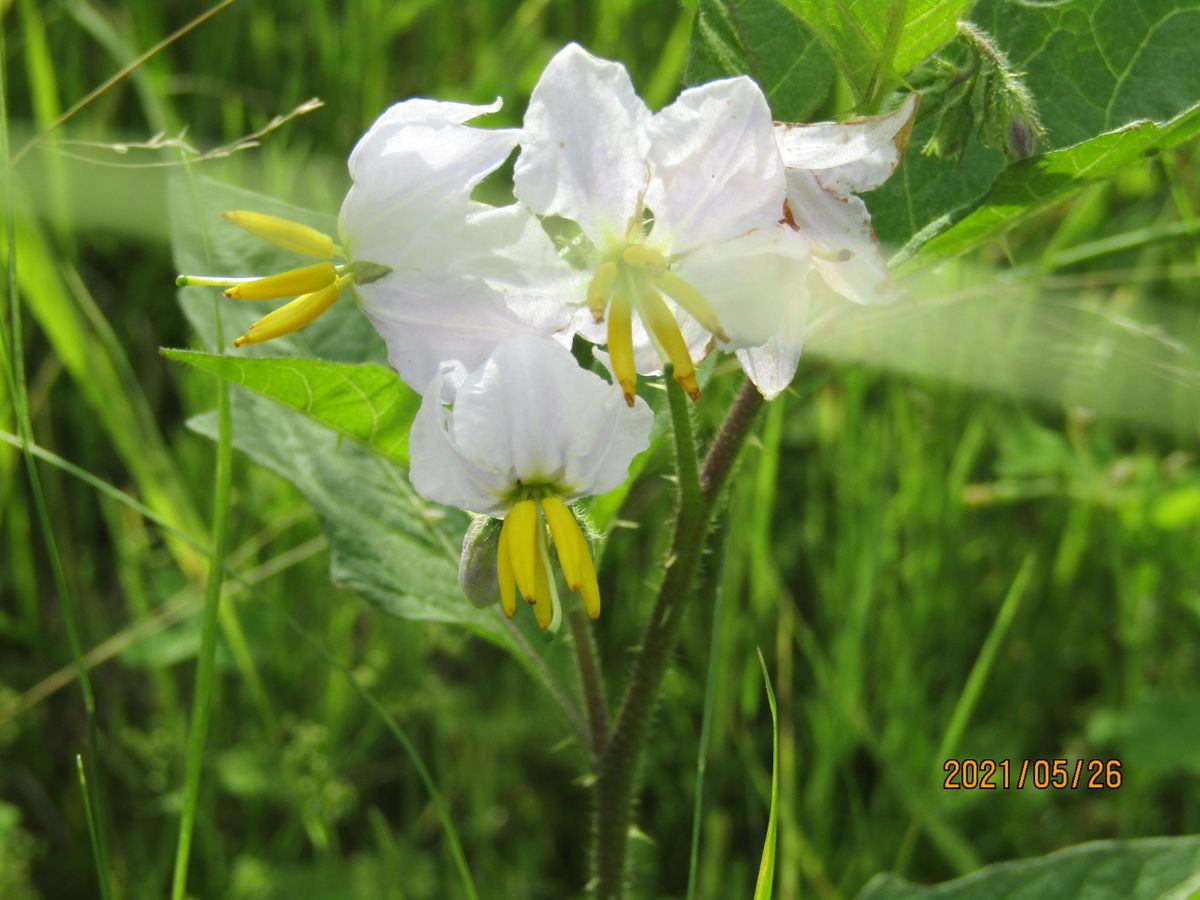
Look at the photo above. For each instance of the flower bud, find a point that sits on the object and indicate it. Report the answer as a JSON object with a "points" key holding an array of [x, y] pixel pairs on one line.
{"points": [[477, 565]]}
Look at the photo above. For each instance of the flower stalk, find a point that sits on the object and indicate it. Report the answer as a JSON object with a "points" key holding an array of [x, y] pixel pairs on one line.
{"points": [[699, 489]]}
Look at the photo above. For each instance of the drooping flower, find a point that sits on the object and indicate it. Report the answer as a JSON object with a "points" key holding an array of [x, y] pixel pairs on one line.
{"points": [[404, 238], [678, 213], [826, 164], [520, 438]]}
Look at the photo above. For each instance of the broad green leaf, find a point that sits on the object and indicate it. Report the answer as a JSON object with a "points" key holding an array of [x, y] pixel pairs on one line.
{"points": [[1030, 186], [365, 402], [1102, 870], [765, 885], [1092, 67], [877, 41], [765, 40]]}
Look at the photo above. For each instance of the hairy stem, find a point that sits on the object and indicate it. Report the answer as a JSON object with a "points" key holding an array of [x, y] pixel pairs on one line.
{"points": [[589, 677], [618, 765]]}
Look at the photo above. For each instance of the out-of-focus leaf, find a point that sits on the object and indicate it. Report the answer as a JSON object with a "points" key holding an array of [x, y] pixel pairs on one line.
{"points": [[876, 40], [365, 402], [1159, 733], [765, 40], [1030, 186], [765, 886], [1102, 870]]}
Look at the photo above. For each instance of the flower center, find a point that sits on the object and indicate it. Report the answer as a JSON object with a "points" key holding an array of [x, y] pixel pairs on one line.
{"points": [[523, 559], [634, 278]]}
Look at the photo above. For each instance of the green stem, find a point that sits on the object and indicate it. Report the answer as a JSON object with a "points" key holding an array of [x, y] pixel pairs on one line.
{"points": [[589, 678], [618, 766]]}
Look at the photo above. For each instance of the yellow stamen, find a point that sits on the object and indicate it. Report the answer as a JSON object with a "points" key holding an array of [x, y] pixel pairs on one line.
{"points": [[662, 325], [589, 588], [620, 345], [693, 301], [504, 573], [599, 289], [284, 233], [645, 258], [522, 525], [543, 595], [292, 316], [566, 538], [304, 280]]}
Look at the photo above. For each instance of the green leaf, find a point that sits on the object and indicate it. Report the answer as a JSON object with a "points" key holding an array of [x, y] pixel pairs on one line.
{"points": [[762, 39], [876, 41], [1030, 186], [765, 885], [1102, 870], [1092, 67], [367, 403]]}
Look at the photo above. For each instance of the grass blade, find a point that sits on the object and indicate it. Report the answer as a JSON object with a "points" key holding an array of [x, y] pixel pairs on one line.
{"points": [[766, 867]]}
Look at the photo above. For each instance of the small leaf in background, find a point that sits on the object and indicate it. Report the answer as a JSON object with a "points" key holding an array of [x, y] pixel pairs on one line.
{"points": [[765, 40], [367, 403], [1146, 869]]}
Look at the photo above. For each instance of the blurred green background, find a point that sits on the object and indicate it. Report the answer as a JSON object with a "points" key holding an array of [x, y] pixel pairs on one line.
{"points": [[931, 570]]}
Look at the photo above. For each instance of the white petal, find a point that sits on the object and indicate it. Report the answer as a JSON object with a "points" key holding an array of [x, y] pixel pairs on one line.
{"points": [[532, 410], [584, 145], [772, 365], [427, 324], [856, 155], [750, 281], [717, 170], [839, 224], [438, 471], [511, 251], [413, 174]]}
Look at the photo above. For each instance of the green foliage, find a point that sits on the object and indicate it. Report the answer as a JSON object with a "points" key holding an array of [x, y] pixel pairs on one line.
{"points": [[365, 402], [765, 40], [764, 887], [1104, 870]]}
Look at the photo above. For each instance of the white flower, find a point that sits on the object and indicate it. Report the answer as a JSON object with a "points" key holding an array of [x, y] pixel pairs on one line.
{"points": [[519, 438], [680, 213], [826, 163]]}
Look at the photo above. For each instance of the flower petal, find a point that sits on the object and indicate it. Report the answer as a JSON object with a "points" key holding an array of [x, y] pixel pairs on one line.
{"points": [[438, 471], [772, 366], [531, 410], [584, 145], [839, 225], [749, 281], [427, 324], [413, 174], [511, 251], [856, 155], [717, 170]]}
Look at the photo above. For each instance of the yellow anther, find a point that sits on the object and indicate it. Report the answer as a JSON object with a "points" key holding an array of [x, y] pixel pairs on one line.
{"points": [[543, 595], [600, 287], [292, 316], [656, 316], [304, 280], [646, 258], [693, 301], [504, 573], [522, 524], [589, 588], [284, 233], [620, 345], [567, 537]]}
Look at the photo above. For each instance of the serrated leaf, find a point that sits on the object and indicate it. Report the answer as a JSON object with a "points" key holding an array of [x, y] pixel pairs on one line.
{"points": [[765, 40], [366, 402], [1030, 186], [1102, 870]]}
